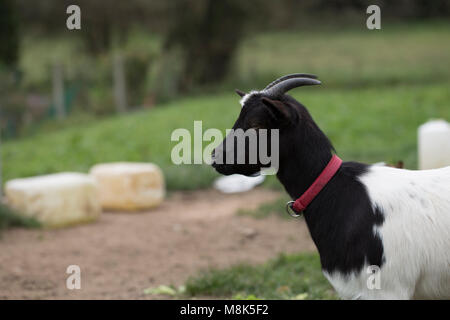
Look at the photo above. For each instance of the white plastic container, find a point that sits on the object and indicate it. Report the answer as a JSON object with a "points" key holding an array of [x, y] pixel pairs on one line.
{"points": [[434, 144], [55, 200], [129, 186]]}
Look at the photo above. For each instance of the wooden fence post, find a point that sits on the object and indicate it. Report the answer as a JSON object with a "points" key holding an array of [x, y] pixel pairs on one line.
{"points": [[120, 90], [58, 91]]}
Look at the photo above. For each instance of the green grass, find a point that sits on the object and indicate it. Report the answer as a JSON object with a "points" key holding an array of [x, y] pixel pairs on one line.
{"points": [[408, 53], [399, 53], [378, 86], [140, 136], [276, 207], [39, 54], [9, 218], [297, 276], [368, 124]]}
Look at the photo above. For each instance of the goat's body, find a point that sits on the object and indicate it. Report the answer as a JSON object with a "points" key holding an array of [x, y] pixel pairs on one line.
{"points": [[415, 236], [366, 218]]}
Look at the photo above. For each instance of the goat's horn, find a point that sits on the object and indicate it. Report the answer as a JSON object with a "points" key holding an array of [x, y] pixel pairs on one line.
{"points": [[290, 76], [279, 89], [240, 93]]}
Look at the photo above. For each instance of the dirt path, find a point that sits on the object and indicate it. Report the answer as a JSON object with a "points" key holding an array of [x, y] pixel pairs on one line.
{"points": [[124, 253]]}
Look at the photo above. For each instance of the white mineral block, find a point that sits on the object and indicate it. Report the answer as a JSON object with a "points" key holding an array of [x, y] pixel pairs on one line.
{"points": [[129, 186], [434, 144], [55, 200]]}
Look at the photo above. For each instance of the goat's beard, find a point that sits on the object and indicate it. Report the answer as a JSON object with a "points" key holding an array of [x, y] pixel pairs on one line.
{"points": [[249, 170]]}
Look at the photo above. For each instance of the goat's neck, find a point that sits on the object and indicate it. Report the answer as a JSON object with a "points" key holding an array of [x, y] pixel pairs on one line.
{"points": [[302, 158]]}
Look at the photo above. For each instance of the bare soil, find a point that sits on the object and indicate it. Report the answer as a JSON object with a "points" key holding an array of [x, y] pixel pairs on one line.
{"points": [[123, 253]]}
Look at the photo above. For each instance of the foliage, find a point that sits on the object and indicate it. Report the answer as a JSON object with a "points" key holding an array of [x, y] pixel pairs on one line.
{"points": [[103, 25], [207, 33], [165, 290], [377, 88], [349, 58], [297, 276], [9, 33], [10, 218], [345, 58], [385, 131]]}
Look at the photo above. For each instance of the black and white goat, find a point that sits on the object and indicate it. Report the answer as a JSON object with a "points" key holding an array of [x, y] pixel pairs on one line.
{"points": [[367, 215]]}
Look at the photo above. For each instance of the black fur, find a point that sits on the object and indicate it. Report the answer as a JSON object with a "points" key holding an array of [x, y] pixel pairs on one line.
{"points": [[341, 218]]}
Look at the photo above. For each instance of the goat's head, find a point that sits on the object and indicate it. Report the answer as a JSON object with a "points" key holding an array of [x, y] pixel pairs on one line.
{"points": [[267, 109]]}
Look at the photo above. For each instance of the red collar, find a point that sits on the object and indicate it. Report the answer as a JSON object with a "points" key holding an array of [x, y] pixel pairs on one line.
{"points": [[305, 199]]}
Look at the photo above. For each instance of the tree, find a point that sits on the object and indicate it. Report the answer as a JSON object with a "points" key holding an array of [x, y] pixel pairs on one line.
{"points": [[9, 34], [208, 33]]}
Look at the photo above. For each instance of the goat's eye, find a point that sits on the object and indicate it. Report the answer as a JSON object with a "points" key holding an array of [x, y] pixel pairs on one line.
{"points": [[255, 126]]}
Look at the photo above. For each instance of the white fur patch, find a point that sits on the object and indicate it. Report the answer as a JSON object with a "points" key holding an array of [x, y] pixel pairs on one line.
{"points": [[415, 236], [247, 96]]}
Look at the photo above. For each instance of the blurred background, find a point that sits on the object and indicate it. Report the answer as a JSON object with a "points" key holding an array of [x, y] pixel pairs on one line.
{"points": [[116, 89]]}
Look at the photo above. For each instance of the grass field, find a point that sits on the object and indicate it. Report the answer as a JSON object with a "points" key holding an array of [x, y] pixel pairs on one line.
{"points": [[286, 277], [377, 88], [368, 124], [398, 54]]}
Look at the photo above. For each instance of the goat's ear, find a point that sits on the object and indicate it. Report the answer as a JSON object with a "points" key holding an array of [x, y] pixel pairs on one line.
{"points": [[280, 110], [240, 93]]}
